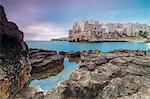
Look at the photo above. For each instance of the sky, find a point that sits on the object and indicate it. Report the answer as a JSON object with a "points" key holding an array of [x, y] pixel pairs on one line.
{"points": [[47, 19]]}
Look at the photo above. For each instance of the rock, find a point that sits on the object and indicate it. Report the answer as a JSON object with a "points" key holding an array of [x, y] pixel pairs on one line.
{"points": [[2, 15], [30, 93], [38, 95], [73, 54], [85, 31], [119, 74], [58, 92], [14, 63], [62, 53], [2, 74], [45, 63]]}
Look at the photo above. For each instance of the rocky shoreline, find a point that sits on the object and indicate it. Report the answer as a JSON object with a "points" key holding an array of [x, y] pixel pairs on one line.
{"points": [[120, 74], [106, 40], [20, 65], [45, 63], [14, 61], [115, 40]]}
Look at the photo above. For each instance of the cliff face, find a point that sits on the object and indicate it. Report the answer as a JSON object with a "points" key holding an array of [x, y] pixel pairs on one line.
{"points": [[148, 37], [14, 63], [87, 31]]}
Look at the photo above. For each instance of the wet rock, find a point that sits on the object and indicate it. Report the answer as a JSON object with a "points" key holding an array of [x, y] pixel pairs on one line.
{"points": [[74, 54], [62, 53]]}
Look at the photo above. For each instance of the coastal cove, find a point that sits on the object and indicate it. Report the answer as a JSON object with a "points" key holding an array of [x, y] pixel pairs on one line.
{"points": [[81, 46], [74, 49], [50, 82]]}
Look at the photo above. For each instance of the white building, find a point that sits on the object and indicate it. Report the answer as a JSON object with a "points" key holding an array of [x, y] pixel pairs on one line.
{"points": [[87, 30]]}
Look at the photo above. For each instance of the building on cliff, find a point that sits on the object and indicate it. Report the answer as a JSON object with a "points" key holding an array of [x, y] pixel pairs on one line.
{"points": [[95, 31], [83, 30], [148, 36]]}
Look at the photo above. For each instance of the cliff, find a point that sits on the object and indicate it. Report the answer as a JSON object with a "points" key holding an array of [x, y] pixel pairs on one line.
{"points": [[14, 64], [85, 31], [120, 74], [148, 37]]}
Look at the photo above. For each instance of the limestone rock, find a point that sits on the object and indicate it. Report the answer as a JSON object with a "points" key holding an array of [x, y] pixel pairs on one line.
{"points": [[45, 63], [30, 93], [14, 63], [85, 31], [2, 14], [119, 74]]}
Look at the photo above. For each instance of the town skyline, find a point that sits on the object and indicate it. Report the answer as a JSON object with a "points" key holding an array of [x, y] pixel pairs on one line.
{"points": [[96, 31], [44, 20]]}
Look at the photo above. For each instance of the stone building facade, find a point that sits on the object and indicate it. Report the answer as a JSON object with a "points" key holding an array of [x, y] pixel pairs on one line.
{"points": [[95, 31], [84, 30], [148, 36]]}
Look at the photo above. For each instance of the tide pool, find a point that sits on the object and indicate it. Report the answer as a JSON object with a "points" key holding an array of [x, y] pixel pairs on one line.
{"points": [[52, 81]]}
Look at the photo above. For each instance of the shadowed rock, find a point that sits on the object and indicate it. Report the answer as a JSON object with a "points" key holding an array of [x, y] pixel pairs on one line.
{"points": [[2, 14], [14, 63]]}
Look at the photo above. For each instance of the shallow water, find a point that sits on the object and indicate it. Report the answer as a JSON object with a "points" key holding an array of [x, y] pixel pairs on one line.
{"points": [[52, 81], [74, 46], [69, 67]]}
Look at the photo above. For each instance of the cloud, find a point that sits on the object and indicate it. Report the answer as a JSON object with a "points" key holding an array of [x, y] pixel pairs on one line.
{"points": [[35, 17], [44, 31]]}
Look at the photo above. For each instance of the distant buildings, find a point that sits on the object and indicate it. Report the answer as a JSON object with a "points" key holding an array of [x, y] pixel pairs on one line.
{"points": [[148, 35], [95, 31]]}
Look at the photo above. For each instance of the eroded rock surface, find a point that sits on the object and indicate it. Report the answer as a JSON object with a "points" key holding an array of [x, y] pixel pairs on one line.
{"points": [[30, 93], [120, 74], [14, 64], [45, 63], [73, 56]]}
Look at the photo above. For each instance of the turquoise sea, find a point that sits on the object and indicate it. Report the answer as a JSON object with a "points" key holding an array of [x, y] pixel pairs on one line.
{"points": [[79, 46], [69, 67]]}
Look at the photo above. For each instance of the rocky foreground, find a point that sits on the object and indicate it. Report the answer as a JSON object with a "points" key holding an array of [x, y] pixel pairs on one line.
{"points": [[19, 65], [121, 74], [14, 62], [45, 63]]}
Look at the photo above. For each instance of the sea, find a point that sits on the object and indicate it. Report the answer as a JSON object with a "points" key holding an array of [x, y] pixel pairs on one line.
{"points": [[50, 82]]}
